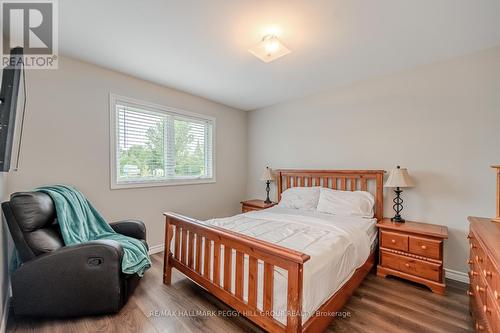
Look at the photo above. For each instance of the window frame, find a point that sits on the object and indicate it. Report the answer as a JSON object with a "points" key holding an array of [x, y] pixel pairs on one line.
{"points": [[115, 99]]}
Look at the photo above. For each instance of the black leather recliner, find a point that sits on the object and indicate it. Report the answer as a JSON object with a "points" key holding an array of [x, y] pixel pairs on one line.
{"points": [[55, 280]]}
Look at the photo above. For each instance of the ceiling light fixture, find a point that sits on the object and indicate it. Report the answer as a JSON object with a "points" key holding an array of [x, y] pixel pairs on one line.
{"points": [[269, 49]]}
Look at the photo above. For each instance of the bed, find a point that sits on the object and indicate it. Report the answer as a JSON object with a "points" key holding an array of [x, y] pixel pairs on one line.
{"points": [[268, 264]]}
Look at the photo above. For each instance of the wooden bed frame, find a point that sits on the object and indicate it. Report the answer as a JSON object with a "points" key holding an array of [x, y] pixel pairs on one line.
{"points": [[190, 236]]}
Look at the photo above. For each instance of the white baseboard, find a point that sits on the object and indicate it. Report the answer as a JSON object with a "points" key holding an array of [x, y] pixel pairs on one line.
{"points": [[456, 275], [156, 248], [5, 314]]}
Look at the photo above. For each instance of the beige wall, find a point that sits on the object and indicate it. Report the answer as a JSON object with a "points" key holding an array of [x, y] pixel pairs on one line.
{"points": [[442, 121], [66, 140]]}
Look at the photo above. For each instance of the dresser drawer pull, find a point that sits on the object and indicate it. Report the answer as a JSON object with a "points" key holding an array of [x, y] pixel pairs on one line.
{"points": [[479, 327], [393, 241], [470, 293], [472, 246], [424, 247], [407, 265], [480, 289], [486, 309], [470, 261], [479, 259], [469, 236], [487, 273], [473, 273]]}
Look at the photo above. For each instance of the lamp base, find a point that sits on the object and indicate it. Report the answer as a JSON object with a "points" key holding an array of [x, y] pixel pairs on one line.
{"points": [[398, 219], [398, 206], [268, 200]]}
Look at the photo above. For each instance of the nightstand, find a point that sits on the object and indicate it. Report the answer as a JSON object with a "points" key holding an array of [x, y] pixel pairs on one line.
{"points": [[249, 205], [412, 251]]}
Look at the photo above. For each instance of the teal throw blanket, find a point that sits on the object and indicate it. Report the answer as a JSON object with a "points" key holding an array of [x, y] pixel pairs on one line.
{"points": [[80, 223]]}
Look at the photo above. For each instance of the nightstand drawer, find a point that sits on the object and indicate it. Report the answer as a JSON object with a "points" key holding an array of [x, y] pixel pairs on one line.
{"points": [[392, 240], [425, 247], [416, 267], [245, 209]]}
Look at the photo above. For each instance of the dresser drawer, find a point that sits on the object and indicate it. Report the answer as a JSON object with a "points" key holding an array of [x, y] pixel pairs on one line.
{"points": [[425, 247], [473, 244], [492, 278], [490, 273], [473, 275], [481, 289], [392, 240], [416, 267], [479, 257], [491, 313]]}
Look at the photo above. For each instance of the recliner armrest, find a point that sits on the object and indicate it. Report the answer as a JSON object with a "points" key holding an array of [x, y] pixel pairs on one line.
{"points": [[132, 228], [74, 280]]}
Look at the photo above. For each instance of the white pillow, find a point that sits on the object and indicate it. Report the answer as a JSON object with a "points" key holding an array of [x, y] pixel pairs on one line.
{"points": [[305, 198], [346, 203]]}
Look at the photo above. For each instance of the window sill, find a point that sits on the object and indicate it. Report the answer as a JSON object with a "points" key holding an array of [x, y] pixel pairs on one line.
{"points": [[141, 184]]}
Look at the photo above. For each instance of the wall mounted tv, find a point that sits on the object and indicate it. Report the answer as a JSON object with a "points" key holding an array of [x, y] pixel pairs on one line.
{"points": [[10, 133]]}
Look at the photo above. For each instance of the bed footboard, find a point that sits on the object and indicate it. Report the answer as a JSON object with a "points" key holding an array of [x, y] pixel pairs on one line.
{"points": [[193, 245]]}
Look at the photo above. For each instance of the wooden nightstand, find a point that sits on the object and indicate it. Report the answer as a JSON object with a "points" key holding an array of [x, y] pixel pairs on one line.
{"points": [[249, 205], [412, 251]]}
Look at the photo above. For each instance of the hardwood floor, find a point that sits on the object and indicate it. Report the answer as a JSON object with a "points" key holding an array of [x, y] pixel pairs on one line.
{"points": [[378, 305]]}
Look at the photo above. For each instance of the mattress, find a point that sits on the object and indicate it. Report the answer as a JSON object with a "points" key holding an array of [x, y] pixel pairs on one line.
{"points": [[337, 245]]}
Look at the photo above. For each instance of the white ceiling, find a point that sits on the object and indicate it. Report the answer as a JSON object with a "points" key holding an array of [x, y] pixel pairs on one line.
{"points": [[201, 46]]}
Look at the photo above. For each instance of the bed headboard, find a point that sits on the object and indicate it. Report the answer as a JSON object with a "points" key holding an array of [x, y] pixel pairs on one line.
{"points": [[345, 180]]}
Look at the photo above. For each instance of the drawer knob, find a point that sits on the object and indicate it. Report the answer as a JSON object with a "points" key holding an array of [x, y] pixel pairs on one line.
{"points": [[479, 259], [393, 241], [479, 289], [469, 236], [424, 247], [479, 327], [486, 309], [407, 265], [470, 261], [473, 273], [472, 246], [470, 293]]}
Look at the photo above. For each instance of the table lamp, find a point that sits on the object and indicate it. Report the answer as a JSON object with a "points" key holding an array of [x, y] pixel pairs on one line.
{"points": [[398, 178], [267, 176]]}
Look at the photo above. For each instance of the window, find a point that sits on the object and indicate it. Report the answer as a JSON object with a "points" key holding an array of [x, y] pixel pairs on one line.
{"points": [[154, 145]]}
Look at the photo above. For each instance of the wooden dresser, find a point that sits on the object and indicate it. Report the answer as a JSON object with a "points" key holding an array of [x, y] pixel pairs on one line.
{"points": [[413, 251], [484, 261]]}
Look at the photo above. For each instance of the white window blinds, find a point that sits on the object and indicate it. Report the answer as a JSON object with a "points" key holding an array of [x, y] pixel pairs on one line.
{"points": [[161, 146]]}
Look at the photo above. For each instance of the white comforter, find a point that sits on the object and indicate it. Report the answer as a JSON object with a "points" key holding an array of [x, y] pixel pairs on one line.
{"points": [[337, 245]]}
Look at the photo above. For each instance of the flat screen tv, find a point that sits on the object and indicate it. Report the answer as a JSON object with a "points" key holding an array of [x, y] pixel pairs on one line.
{"points": [[11, 111]]}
